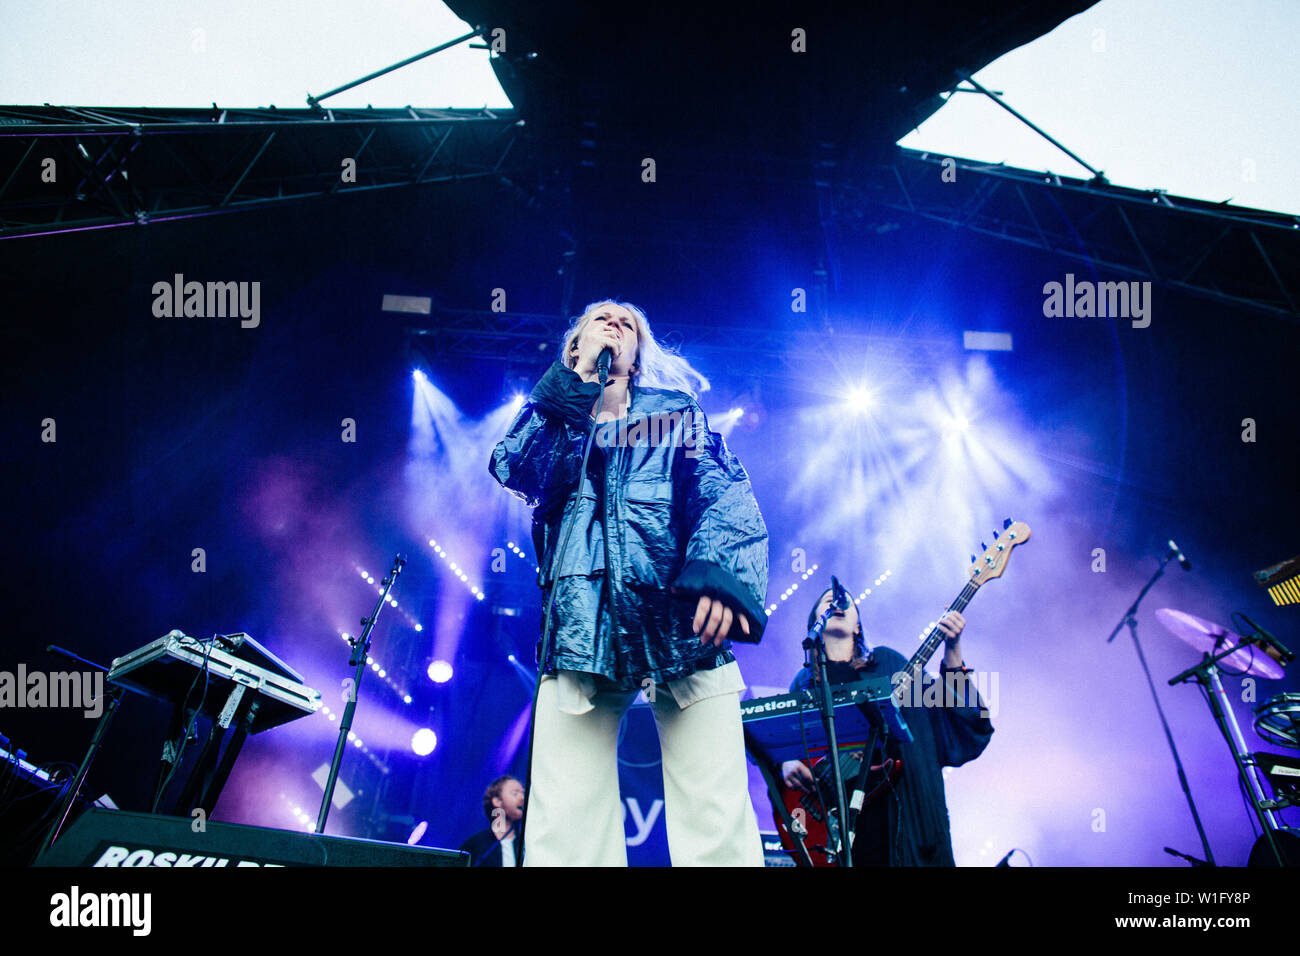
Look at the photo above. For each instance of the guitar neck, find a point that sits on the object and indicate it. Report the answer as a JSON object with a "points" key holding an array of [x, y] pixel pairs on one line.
{"points": [[934, 639]]}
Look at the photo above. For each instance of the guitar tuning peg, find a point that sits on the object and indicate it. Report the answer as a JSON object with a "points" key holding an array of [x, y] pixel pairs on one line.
{"points": [[972, 559], [983, 546], [995, 534], [1006, 523]]}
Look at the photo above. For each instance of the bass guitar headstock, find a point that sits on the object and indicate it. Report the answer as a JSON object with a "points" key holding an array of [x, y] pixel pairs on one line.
{"points": [[993, 561]]}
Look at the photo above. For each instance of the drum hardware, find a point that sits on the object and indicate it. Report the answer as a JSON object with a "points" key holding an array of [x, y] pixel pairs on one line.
{"points": [[1258, 655]]}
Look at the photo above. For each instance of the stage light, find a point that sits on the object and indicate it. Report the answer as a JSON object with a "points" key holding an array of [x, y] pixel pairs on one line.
{"points": [[418, 833], [457, 570], [519, 554], [518, 401], [860, 400], [440, 672], [424, 741], [789, 592], [417, 375]]}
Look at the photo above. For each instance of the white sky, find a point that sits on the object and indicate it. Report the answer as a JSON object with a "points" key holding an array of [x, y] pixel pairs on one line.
{"points": [[237, 53], [1191, 96]]}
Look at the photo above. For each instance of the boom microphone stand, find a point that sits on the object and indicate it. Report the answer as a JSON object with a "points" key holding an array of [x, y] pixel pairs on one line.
{"points": [[1130, 618], [360, 650]]}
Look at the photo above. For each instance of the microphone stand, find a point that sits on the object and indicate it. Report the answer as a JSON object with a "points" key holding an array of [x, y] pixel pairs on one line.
{"points": [[360, 650], [1130, 618], [816, 648]]}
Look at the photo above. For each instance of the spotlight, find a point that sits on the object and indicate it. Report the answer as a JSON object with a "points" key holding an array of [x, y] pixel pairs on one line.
{"points": [[417, 833], [440, 672], [424, 741], [955, 430], [417, 375], [517, 401], [860, 400]]}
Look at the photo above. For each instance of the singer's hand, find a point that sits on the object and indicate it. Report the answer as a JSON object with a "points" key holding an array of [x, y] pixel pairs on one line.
{"points": [[713, 621], [597, 336]]}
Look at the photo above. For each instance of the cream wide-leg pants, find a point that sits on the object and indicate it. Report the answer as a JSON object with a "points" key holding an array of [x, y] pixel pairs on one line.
{"points": [[575, 813]]}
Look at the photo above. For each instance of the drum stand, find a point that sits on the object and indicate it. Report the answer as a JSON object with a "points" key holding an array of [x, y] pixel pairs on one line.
{"points": [[1206, 674]]}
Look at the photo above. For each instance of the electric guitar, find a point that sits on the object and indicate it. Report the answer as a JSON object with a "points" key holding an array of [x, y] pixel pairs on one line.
{"points": [[817, 817]]}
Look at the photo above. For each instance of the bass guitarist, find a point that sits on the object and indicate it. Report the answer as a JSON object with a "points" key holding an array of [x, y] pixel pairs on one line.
{"points": [[906, 823]]}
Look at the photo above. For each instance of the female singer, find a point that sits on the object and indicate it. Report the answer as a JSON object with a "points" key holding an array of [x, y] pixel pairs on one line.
{"points": [[666, 560]]}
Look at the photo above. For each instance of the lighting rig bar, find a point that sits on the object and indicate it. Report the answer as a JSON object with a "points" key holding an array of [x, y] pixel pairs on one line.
{"points": [[532, 339], [64, 169], [1231, 254]]}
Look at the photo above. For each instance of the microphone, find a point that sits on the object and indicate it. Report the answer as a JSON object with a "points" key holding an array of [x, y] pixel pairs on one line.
{"points": [[602, 363], [1272, 646], [839, 596], [1174, 550]]}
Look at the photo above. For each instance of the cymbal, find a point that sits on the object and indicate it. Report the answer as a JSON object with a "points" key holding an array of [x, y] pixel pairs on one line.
{"points": [[1206, 637]]}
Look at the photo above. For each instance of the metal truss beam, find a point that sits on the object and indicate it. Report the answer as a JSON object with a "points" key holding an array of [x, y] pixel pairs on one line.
{"points": [[531, 340], [1234, 255], [112, 168]]}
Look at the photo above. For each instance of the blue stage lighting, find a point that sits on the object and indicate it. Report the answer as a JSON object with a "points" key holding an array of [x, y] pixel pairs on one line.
{"points": [[860, 400], [440, 672], [423, 741]]}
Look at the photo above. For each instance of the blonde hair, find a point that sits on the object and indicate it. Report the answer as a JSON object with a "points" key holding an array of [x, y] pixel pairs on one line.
{"points": [[655, 366]]}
